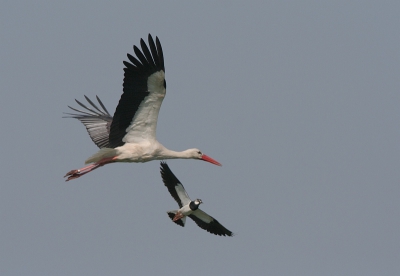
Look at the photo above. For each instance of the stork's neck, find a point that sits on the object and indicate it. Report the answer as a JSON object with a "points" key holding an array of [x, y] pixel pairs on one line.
{"points": [[170, 154]]}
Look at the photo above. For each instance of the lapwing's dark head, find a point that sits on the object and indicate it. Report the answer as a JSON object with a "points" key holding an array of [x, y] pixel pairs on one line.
{"points": [[194, 205], [198, 202]]}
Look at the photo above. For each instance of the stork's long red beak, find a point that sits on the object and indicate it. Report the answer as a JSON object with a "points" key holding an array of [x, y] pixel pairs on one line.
{"points": [[209, 159]]}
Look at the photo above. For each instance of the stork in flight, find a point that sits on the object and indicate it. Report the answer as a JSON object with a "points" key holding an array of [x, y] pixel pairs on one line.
{"points": [[189, 208], [130, 136]]}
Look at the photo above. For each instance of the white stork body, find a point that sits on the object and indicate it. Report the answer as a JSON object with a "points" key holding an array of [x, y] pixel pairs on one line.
{"points": [[142, 152], [130, 135]]}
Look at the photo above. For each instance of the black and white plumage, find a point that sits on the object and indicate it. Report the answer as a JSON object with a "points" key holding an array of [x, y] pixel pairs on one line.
{"points": [[97, 121], [189, 208], [130, 135]]}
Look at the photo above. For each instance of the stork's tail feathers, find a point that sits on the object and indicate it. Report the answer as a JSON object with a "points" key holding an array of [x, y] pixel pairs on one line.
{"points": [[101, 154], [181, 221]]}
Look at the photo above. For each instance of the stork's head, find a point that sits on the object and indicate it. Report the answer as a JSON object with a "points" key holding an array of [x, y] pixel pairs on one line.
{"points": [[197, 154]]}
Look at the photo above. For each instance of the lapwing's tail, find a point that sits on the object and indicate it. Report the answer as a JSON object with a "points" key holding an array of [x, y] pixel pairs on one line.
{"points": [[180, 221]]}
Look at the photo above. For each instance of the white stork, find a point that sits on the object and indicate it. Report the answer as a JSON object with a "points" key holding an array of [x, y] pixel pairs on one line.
{"points": [[130, 136], [189, 208]]}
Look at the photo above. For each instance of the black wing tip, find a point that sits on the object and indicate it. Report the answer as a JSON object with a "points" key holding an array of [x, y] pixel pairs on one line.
{"points": [[213, 227], [218, 229], [222, 234], [168, 176], [96, 112], [164, 169], [226, 233], [163, 165], [145, 57]]}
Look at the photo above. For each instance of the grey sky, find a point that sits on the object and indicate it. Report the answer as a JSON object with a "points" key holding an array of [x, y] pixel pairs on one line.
{"points": [[299, 100]]}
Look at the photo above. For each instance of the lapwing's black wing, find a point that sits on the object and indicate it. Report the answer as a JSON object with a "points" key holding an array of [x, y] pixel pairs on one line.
{"points": [[174, 186], [207, 222]]}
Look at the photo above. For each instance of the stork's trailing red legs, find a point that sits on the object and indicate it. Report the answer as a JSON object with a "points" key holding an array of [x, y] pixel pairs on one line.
{"points": [[73, 174]]}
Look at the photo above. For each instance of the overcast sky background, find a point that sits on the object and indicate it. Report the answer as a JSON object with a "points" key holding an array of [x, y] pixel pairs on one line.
{"points": [[299, 100]]}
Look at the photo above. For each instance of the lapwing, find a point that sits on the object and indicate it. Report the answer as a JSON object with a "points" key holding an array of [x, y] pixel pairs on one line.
{"points": [[188, 207]]}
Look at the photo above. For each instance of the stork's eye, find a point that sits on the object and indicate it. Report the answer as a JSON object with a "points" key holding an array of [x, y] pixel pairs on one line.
{"points": [[199, 152]]}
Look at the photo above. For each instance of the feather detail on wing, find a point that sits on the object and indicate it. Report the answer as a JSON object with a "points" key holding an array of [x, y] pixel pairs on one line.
{"points": [[96, 120], [174, 186], [144, 88], [208, 223]]}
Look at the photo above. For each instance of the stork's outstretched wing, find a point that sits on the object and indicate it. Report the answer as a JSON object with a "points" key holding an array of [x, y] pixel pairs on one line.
{"points": [[96, 120], [135, 118]]}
